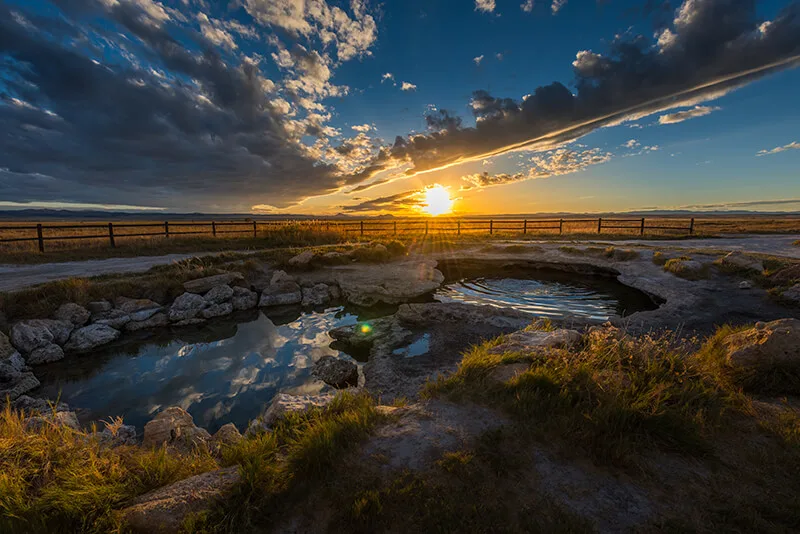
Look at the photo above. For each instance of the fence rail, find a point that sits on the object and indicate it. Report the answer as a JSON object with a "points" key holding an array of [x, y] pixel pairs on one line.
{"points": [[363, 227]]}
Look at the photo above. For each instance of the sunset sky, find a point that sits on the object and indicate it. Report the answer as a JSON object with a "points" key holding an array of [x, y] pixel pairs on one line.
{"points": [[359, 107]]}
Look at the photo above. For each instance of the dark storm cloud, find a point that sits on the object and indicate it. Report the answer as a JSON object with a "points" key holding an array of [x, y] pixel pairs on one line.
{"points": [[399, 202], [195, 130], [710, 47]]}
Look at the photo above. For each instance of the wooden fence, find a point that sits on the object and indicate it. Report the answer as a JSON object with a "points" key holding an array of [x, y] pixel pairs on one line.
{"points": [[114, 231]]}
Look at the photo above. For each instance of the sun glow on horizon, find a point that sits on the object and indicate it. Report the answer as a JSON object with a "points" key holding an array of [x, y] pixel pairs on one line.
{"points": [[437, 201]]}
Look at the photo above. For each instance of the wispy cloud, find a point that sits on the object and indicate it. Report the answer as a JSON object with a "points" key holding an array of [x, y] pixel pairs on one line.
{"points": [[745, 204], [680, 116], [793, 145]]}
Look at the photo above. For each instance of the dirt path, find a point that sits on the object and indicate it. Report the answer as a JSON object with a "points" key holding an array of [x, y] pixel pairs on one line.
{"points": [[777, 245]]}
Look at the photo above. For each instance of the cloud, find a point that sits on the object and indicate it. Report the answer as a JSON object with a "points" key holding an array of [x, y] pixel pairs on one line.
{"points": [[141, 104], [407, 86], [487, 6], [680, 116], [405, 201], [556, 6], [553, 163], [714, 47], [387, 77], [363, 128], [478, 59], [745, 204], [631, 143], [527, 6], [793, 145]]}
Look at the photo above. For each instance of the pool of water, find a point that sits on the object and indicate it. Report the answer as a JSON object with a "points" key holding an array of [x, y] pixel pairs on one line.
{"points": [[550, 295], [224, 372]]}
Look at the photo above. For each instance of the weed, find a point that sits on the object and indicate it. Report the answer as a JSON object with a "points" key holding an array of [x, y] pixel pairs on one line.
{"points": [[659, 258], [684, 267]]}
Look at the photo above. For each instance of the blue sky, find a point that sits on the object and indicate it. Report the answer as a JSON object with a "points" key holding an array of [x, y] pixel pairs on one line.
{"points": [[290, 106]]}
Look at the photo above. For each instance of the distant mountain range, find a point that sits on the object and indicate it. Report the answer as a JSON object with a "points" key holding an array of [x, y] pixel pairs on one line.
{"points": [[52, 214]]}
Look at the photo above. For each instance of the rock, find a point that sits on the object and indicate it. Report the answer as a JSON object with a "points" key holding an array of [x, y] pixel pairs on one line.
{"points": [[117, 436], [31, 405], [164, 510], [336, 372], [533, 340], [335, 258], [367, 285], [131, 306], [302, 260], [685, 267], [745, 284], [226, 435], [792, 294], [6, 348], [316, 295], [99, 306], [11, 367], [190, 322], [175, 427], [218, 295], [204, 285], [217, 310], [48, 353], [765, 345], [282, 291], [28, 336], [244, 299], [12, 388], [504, 373], [144, 315], [284, 403], [380, 248], [743, 262], [114, 318], [72, 313], [157, 320], [67, 419], [422, 315], [90, 337], [187, 306]]}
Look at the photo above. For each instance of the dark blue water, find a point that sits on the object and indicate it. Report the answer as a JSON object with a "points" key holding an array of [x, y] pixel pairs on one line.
{"points": [[224, 372]]}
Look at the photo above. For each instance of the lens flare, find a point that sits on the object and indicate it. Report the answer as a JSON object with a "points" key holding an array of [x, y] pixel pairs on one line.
{"points": [[366, 328]]}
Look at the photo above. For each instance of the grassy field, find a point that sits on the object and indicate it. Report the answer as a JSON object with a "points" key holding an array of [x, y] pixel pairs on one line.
{"points": [[196, 236]]}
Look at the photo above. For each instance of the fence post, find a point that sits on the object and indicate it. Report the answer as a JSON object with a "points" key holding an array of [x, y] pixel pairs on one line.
{"points": [[561, 226], [458, 227], [641, 228], [525, 226], [599, 224], [395, 227], [491, 226], [691, 226], [39, 235], [426, 227], [362, 228], [255, 230], [111, 235], [166, 229], [213, 229]]}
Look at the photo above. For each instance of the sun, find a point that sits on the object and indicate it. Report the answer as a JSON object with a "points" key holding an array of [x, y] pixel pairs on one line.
{"points": [[437, 201]]}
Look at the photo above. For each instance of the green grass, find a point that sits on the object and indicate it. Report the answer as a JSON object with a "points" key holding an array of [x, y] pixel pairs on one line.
{"points": [[611, 397]]}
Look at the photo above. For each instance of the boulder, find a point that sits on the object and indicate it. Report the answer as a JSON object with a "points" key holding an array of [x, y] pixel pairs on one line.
{"points": [[336, 372], [335, 258], [217, 310], [764, 345], [218, 295], [117, 436], [72, 313], [99, 306], [316, 295], [745, 284], [302, 260], [6, 348], [367, 285], [157, 320], [743, 262], [284, 403], [175, 427], [31, 405], [12, 366], [191, 322], [144, 315], [130, 306], [28, 336], [67, 419], [204, 285], [114, 318], [792, 294], [48, 353], [187, 306], [90, 337], [13, 387], [243, 298], [227, 435], [282, 291], [533, 340], [164, 510]]}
